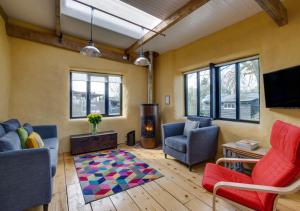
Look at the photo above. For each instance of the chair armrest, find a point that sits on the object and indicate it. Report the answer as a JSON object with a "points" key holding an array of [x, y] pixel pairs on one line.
{"points": [[294, 187], [172, 129], [26, 177], [236, 160], [259, 188], [46, 131], [202, 143]]}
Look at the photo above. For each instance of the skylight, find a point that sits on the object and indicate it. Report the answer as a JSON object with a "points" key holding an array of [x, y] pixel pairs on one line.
{"points": [[116, 7]]}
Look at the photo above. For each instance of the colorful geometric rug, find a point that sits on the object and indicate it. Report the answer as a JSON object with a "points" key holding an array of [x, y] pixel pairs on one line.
{"points": [[101, 175]]}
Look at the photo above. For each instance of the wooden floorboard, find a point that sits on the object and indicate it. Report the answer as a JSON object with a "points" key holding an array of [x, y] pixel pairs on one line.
{"points": [[122, 201], [104, 204], [179, 189], [143, 200]]}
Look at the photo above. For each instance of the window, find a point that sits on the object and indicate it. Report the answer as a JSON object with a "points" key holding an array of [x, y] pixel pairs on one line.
{"points": [[198, 93], [239, 90], [227, 91], [95, 93]]}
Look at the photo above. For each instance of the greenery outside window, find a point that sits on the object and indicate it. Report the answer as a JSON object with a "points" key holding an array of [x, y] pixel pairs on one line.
{"points": [[95, 93]]}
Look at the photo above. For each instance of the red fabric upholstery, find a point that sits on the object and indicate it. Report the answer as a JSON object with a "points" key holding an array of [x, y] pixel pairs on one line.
{"points": [[279, 168], [285, 138], [215, 173]]}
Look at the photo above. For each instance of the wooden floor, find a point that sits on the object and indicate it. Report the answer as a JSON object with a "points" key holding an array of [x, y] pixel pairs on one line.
{"points": [[178, 190]]}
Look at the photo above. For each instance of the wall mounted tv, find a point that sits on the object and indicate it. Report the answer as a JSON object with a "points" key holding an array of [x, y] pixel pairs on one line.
{"points": [[282, 88]]}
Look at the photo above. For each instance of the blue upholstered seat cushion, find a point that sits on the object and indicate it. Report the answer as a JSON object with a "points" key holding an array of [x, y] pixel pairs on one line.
{"points": [[10, 141], [2, 131], [177, 143], [11, 125], [52, 144], [203, 121], [28, 128]]}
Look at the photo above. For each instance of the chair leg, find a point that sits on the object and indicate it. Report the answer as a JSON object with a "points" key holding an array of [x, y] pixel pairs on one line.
{"points": [[165, 156], [190, 167], [45, 207], [214, 203]]}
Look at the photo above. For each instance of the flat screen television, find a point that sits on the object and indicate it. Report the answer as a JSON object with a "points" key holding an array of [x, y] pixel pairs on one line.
{"points": [[282, 88]]}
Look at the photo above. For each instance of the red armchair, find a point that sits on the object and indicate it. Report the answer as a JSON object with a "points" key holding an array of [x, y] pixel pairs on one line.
{"points": [[278, 172]]}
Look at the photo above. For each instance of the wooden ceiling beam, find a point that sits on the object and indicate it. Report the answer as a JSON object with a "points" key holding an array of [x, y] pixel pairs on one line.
{"points": [[69, 42], [167, 23], [3, 14], [275, 9]]}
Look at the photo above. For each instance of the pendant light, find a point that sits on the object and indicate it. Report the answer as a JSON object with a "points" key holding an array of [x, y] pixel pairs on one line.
{"points": [[90, 49], [142, 60]]}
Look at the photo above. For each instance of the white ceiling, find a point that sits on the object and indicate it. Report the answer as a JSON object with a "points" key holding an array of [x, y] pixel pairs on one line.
{"points": [[212, 17]]}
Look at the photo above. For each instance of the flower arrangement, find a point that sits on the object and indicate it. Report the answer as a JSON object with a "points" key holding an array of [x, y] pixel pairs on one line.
{"points": [[94, 120]]}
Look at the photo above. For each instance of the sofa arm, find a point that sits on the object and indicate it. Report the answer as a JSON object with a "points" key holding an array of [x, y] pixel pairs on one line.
{"points": [[25, 178], [172, 129], [46, 131], [202, 143]]}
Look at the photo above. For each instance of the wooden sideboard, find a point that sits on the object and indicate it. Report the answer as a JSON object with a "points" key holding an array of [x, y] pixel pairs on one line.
{"points": [[83, 143]]}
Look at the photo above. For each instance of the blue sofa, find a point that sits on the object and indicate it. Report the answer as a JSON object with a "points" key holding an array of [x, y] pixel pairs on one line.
{"points": [[199, 145], [26, 174]]}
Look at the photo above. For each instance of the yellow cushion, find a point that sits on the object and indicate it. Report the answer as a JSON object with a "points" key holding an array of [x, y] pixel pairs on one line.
{"points": [[34, 141]]}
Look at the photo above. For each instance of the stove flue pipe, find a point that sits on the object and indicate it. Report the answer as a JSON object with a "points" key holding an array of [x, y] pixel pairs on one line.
{"points": [[150, 78]]}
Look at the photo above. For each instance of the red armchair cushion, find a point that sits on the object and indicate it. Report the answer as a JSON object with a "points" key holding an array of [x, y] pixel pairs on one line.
{"points": [[280, 166], [285, 138], [215, 173]]}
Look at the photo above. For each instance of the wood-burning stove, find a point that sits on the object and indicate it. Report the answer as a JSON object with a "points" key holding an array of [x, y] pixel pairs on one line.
{"points": [[149, 125]]}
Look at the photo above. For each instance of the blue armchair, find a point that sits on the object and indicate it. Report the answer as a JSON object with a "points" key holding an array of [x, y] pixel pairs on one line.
{"points": [[199, 145]]}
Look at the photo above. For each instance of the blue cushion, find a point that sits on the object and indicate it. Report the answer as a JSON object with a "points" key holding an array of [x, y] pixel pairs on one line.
{"points": [[11, 125], [52, 144], [203, 121], [2, 131], [177, 142], [10, 141], [28, 128]]}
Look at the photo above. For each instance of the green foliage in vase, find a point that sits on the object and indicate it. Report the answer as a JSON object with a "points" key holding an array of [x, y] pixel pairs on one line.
{"points": [[94, 119]]}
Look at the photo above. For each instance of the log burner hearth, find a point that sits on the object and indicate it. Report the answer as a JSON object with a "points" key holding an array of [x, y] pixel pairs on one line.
{"points": [[149, 125]]}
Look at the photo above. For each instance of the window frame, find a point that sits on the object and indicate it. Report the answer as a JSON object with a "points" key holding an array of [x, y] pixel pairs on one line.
{"points": [[215, 90], [88, 99]]}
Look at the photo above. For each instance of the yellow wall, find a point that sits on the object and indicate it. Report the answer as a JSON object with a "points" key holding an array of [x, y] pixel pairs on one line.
{"points": [[4, 71], [278, 47], [40, 89]]}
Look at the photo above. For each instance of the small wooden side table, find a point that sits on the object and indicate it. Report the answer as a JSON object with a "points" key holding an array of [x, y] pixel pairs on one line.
{"points": [[84, 143], [232, 151]]}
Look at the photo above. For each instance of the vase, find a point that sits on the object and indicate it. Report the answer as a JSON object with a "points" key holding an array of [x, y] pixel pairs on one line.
{"points": [[94, 129]]}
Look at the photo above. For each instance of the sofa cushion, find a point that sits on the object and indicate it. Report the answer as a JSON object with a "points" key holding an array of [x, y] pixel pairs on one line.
{"points": [[177, 143], [52, 144], [189, 125], [11, 125], [203, 121], [10, 141], [23, 135], [34, 141], [2, 131], [28, 128]]}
